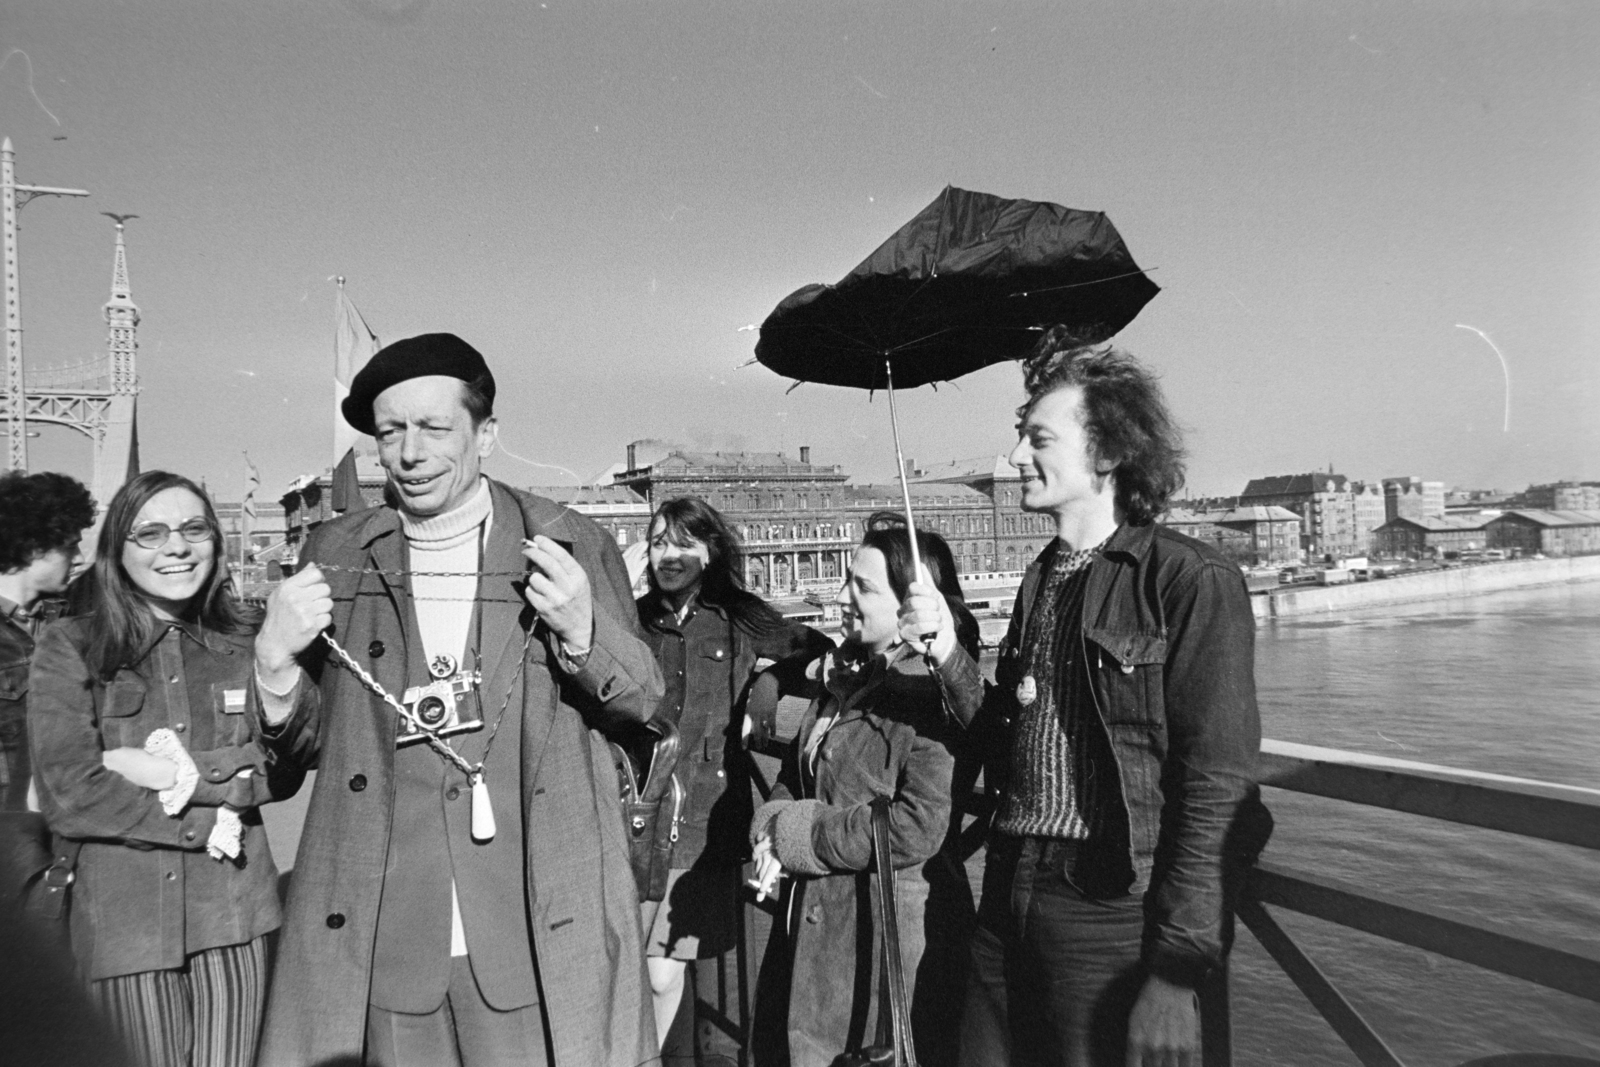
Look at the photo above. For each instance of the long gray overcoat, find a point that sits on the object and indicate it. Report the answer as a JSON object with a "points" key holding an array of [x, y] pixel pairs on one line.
{"points": [[583, 907]]}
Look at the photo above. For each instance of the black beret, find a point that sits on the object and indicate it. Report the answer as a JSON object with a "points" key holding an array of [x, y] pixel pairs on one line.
{"points": [[415, 357]]}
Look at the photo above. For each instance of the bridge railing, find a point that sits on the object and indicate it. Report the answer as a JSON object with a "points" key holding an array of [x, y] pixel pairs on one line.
{"points": [[1568, 815]]}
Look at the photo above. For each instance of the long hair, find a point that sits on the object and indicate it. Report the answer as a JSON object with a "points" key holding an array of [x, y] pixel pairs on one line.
{"points": [[722, 580], [121, 622], [886, 532], [1123, 413], [936, 554]]}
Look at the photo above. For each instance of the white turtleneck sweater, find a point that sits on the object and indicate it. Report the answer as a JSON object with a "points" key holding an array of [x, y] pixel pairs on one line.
{"points": [[449, 544]]}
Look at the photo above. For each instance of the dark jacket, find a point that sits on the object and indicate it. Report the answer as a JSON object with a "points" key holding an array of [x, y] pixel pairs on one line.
{"points": [[898, 737], [707, 664], [147, 894], [1167, 663], [16, 649], [581, 897]]}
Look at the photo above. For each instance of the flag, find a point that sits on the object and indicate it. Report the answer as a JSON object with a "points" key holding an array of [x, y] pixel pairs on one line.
{"points": [[353, 345], [247, 511]]}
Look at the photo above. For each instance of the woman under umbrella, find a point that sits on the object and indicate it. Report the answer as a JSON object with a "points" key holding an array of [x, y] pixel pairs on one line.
{"points": [[144, 754], [711, 637], [882, 723]]}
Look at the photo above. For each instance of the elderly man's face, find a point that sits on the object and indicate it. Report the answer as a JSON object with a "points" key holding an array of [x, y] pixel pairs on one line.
{"points": [[428, 445]]}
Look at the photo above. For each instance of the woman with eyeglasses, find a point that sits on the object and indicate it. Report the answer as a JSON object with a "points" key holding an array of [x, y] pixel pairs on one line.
{"points": [[141, 716], [886, 719]]}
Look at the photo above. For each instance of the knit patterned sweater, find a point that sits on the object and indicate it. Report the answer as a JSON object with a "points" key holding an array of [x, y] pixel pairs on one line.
{"points": [[1049, 767]]}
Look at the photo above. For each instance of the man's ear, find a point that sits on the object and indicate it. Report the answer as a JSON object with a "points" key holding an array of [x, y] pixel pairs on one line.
{"points": [[488, 435]]}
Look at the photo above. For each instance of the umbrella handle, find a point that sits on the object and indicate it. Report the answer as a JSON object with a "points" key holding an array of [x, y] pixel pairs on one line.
{"points": [[905, 493]]}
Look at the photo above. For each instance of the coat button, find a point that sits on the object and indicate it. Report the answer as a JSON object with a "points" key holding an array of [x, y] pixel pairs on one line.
{"points": [[180, 728], [375, 649], [335, 920], [814, 914], [452, 793], [189, 836], [172, 876], [358, 783]]}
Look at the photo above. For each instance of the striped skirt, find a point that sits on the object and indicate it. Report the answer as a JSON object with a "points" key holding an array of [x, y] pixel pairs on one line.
{"points": [[206, 1014]]}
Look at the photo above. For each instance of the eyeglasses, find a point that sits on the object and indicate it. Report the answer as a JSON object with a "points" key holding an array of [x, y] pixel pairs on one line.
{"points": [[155, 534]]}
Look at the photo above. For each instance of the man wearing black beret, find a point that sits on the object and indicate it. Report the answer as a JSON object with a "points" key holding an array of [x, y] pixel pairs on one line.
{"points": [[462, 893]]}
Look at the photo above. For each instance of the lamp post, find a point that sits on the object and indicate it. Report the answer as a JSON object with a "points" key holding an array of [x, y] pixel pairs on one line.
{"points": [[13, 198]]}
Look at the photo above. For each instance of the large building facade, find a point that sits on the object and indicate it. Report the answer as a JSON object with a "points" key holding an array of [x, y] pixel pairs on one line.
{"points": [[1325, 505], [801, 520], [1412, 498], [1553, 533], [1253, 536]]}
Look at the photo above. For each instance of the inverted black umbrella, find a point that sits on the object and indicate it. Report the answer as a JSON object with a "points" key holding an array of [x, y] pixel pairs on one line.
{"points": [[971, 280]]}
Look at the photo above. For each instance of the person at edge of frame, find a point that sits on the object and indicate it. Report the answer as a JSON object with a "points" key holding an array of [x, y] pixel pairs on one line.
{"points": [[416, 932], [884, 720], [1125, 707], [711, 637], [150, 774], [42, 519]]}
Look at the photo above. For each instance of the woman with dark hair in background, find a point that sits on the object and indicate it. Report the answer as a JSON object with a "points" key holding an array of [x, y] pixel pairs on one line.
{"points": [[146, 762], [885, 720], [711, 637]]}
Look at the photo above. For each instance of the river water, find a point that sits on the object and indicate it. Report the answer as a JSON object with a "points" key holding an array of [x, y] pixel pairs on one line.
{"points": [[1505, 682]]}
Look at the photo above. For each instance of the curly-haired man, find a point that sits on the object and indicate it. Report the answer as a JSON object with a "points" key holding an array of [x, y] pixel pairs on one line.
{"points": [[42, 516], [1126, 707]]}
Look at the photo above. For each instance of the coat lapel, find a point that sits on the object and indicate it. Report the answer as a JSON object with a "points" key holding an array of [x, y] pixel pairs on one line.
{"points": [[503, 604], [387, 555]]}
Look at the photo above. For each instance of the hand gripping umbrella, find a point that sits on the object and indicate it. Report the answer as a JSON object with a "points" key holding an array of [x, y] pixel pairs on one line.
{"points": [[972, 280]]}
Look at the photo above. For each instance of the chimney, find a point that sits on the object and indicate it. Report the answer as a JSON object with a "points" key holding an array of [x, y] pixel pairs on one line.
{"points": [[911, 469], [805, 453], [632, 453]]}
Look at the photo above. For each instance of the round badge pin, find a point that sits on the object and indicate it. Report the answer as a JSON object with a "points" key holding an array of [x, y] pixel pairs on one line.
{"points": [[1027, 691]]}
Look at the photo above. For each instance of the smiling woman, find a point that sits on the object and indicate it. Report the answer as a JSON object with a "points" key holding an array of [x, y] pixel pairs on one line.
{"points": [[149, 771]]}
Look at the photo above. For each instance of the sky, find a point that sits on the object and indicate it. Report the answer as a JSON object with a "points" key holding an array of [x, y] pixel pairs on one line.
{"points": [[600, 196]]}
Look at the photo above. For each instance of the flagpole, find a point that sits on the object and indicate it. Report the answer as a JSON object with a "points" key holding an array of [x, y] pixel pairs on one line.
{"points": [[244, 520]]}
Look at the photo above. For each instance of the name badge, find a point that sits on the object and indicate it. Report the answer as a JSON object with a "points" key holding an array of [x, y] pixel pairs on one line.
{"points": [[233, 701]]}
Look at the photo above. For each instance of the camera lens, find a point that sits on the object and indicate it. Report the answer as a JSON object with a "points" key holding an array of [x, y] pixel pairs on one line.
{"points": [[431, 710]]}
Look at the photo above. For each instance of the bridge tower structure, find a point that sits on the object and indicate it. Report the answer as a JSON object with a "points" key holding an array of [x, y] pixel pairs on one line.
{"points": [[98, 397]]}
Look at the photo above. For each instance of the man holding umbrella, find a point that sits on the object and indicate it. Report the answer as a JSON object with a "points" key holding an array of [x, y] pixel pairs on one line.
{"points": [[1126, 698]]}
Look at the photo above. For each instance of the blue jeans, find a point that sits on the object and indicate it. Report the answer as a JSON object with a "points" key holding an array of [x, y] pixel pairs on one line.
{"points": [[1054, 972]]}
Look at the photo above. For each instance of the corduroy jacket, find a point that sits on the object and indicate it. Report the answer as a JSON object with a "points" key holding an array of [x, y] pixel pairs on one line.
{"points": [[147, 894], [1166, 662], [707, 664]]}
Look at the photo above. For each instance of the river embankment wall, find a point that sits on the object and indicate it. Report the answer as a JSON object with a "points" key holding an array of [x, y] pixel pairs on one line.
{"points": [[1303, 601]]}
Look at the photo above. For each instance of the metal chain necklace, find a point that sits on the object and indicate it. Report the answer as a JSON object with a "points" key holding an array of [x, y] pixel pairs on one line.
{"points": [[483, 825]]}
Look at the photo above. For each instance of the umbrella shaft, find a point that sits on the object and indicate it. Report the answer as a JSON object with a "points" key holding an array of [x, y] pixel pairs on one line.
{"points": [[900, 463]]}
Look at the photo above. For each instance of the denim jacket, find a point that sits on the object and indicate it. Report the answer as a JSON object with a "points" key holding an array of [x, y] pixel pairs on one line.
{"points": [[1166, 667], [16, 646]]}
